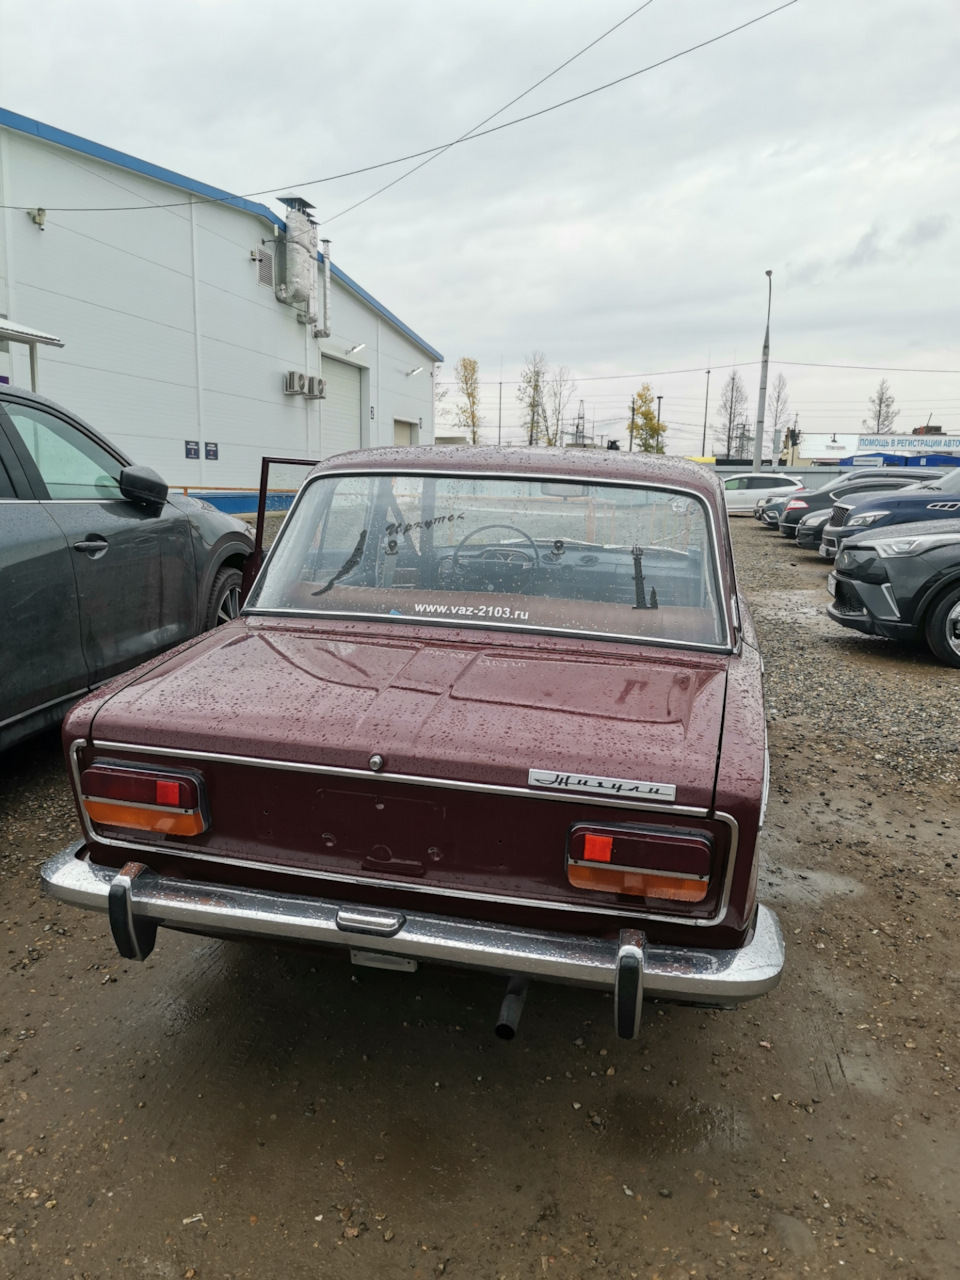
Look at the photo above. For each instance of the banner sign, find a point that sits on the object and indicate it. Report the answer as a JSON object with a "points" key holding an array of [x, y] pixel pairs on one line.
{"points": [[910, 444]]}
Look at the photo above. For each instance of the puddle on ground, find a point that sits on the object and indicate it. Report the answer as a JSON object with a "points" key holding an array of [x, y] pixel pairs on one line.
{"points": [[808, 608], [786, 884], [652, 1126]]}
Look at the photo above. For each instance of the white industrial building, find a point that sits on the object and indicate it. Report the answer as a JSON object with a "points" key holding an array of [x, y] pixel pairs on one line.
{"points": [[197, 331]]}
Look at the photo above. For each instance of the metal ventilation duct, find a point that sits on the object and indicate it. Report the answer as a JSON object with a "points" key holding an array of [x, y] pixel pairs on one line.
{"points": [[297, 283]]}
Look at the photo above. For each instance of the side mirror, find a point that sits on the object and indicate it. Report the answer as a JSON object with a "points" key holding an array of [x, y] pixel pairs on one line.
{"points": [[143, 486]]}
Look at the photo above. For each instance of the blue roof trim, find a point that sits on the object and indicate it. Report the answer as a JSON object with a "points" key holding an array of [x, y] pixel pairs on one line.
{"points": [[46, 132], [60, 138], [378, 306]]}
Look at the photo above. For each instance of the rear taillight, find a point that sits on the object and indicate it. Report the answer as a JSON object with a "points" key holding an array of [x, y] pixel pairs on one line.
{"points": [[659, 864], [796, 504], [144, 799]]}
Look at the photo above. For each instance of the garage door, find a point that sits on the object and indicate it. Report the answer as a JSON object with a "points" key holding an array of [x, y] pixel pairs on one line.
{"points": [[340, 411]]}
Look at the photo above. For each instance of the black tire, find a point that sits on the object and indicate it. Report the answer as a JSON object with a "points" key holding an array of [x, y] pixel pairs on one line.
{"points": [[943, 628], [223, 604]]}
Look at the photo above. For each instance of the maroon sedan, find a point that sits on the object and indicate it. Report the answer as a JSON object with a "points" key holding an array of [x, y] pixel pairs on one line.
{"points": [[491, 709]]}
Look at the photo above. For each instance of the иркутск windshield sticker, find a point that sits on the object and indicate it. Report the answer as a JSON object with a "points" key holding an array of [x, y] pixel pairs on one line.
{"points": [[392, 529]]}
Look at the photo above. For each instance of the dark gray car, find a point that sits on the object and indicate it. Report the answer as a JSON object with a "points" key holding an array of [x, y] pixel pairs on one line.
{"points": [[100, 568]]}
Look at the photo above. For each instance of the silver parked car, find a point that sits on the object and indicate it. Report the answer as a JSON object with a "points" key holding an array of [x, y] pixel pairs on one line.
{"points": [[741, 493], [100, 568]]}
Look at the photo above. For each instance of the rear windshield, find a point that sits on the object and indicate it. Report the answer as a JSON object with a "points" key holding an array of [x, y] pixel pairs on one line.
{"points": [[626, 562]]}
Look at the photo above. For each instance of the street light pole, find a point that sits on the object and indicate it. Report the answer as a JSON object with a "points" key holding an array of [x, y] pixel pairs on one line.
{"points": [[765, 360], [706, 403]]}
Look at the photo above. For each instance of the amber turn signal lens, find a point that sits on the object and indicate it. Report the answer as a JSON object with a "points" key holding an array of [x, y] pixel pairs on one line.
{"points": [[142, 799], [109, 814], [642, 884]]}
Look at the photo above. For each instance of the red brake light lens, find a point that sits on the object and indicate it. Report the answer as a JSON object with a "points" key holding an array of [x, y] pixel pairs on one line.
{"points": [[797, 504], [660, 864], [143, 799], [597, 848]]}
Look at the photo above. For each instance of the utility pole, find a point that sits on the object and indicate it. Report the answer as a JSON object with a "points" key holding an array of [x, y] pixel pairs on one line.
{"points": [[765, 360], [706, 402], [500, 412], [580, 430], [633, 419], [659, 446]]}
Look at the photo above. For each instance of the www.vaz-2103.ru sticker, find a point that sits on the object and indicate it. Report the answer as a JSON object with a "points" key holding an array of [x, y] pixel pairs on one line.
{"points": [[504, 611]]}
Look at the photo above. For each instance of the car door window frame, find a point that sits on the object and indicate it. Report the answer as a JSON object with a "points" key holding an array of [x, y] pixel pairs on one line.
{"points": [[9, 460], [25, 459]]}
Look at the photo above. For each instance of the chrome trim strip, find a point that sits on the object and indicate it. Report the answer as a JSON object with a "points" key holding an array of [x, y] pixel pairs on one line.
{"points": [[137, 804], [765, 793], [411, 779], [698, 974], [187, 851], [526, 628], [730, 626], [891, 599]]}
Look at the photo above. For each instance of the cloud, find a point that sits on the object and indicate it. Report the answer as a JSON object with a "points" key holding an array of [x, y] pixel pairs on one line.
{"points": [[626, 232], [926, 230]]}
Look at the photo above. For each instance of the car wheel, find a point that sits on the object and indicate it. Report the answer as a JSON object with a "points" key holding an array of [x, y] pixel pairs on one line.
{"points": [[224, 602], [943, 628]]}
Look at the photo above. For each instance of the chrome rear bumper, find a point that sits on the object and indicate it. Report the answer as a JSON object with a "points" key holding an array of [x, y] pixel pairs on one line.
{"points": [[138, 901]]}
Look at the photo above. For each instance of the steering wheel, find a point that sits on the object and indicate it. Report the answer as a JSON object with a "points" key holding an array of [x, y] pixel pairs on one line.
{"points": [[496, 566]]}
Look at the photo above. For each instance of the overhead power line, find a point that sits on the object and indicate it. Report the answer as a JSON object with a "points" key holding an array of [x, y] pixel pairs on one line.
{"points": [[506, 107], [227, 197], [740, 364], [870, 368]]}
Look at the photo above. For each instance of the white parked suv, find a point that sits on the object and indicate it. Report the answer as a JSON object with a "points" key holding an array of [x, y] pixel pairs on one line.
{"points": [[742, 492]]}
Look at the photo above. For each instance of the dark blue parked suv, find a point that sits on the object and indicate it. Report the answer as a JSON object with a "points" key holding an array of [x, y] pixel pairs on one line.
{"points": [[937, 499]]}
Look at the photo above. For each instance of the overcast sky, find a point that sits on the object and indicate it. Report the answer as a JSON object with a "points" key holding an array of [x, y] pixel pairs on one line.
{"points": [[625, 234]]}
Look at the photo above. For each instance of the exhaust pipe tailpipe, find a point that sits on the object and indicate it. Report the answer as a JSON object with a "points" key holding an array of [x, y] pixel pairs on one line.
{"points": [[511, 1008]]}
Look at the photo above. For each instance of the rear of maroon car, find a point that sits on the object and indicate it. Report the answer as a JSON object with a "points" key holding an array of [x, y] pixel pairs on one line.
{"points": [[534, 747]]}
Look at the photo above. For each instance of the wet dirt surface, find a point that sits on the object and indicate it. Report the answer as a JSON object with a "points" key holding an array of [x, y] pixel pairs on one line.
{"points": [[237, 1112]]}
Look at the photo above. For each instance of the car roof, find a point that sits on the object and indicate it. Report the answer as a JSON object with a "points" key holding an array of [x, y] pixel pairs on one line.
{"points": [[913, 474], [736, 475], [605, 465]]}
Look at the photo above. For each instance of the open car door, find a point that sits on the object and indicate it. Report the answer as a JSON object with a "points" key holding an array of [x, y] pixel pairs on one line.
{"points": [[280, 482]]}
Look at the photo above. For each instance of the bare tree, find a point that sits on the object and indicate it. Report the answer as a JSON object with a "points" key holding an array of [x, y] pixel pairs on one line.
{"points": [[441, 410], [778, 410], [530, 393], [882, 413], [560, 389], [467, 373], [732, 412]]}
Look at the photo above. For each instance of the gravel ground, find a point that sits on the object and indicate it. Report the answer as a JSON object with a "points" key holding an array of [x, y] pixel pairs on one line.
{"points": [[881, 700], [231, 1113]]}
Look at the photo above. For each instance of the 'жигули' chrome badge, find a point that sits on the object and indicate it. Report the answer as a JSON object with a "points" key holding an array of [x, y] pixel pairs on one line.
{"points": [[556, 780]]}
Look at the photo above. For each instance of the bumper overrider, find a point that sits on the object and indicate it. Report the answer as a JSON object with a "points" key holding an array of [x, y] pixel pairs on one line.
{"points": [[137, 901]]}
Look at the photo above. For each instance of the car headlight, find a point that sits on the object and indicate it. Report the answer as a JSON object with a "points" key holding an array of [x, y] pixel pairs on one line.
{"points": [[915, 546], [868, 517]]}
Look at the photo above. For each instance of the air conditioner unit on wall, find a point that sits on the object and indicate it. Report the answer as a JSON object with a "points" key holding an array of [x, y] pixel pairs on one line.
{"points": [[294, 384], [316, 389]]}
